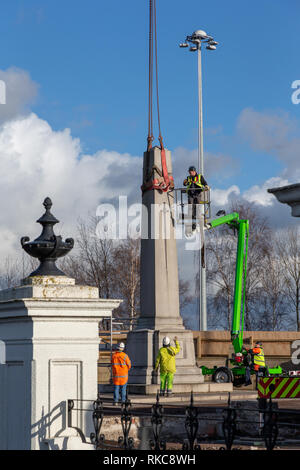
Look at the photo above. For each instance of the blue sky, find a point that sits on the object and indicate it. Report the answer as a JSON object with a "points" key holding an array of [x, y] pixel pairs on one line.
{"points": [[75, 123], [90, 61]]}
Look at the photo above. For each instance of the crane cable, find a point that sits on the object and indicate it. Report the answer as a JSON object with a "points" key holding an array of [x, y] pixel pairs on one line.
{"points": [[153, 38], [150, 100]]}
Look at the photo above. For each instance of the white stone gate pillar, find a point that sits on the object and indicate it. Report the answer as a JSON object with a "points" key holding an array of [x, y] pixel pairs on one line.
{"points": [[50, 329]]}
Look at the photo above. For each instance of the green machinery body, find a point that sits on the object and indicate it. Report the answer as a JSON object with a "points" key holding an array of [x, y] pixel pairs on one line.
{"points": [[237, 327]]}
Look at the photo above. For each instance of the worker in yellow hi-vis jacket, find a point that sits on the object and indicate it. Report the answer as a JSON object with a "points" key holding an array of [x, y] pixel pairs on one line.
{"points": [[166, 362]]}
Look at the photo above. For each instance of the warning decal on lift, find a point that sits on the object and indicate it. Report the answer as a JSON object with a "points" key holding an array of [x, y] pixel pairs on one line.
{"points": [[279, 387]]}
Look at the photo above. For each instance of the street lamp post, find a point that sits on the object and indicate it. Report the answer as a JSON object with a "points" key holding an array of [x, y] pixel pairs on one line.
{"points": [[194, 42]]}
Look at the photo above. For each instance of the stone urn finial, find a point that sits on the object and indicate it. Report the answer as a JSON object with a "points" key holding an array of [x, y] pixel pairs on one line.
{"points": [[47, 204], [48, 246]]}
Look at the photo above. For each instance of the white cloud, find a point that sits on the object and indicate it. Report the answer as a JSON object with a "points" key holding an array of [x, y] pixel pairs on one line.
{"points": [[273, 133], [221, 197], [260, 195], [276, 214], [21, 91], [37, 161], [214, 164]]}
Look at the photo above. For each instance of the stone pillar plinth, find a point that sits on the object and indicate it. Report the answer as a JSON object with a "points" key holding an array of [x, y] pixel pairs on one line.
{"points": [[50, 329], [160, 313]]}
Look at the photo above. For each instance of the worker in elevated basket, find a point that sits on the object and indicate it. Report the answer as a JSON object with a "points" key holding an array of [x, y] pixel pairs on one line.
{"points": [[166, 362], [120, 366], [195, 183]]}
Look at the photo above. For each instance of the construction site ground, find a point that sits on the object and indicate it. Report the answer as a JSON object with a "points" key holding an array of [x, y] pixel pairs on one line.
{"points": [[201, 400], [184, 399]]}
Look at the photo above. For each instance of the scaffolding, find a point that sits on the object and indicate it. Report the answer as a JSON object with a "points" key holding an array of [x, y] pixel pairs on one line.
{"points": [[108, 344]]}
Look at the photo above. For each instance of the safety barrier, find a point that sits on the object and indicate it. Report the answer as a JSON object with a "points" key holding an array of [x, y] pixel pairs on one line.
{"points": [[279, 387]]}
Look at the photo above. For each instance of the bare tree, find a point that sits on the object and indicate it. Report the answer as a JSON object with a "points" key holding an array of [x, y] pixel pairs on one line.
{"points": [[259, 248], [221, 261], [71, 265], [126, 274], [92, 261], [184, 294], [186, 298], [288, 246], [272, 305], [221, 249], [13, 270], [10, 274]]}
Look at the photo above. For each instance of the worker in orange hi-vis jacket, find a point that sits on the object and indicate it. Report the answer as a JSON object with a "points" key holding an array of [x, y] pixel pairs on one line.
{"points": [[258, 361], [121, 364], [258, 356]]}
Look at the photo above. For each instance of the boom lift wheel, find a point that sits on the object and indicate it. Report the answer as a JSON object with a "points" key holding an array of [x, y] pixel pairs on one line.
{"points": [[222, 375]]}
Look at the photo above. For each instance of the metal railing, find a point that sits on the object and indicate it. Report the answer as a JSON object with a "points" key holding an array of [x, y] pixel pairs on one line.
{"points": [[271, 421], [186, 212]]}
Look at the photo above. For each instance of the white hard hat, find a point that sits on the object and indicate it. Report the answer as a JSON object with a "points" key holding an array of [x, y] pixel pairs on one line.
{"points": [[121, 346], [166, 341]]}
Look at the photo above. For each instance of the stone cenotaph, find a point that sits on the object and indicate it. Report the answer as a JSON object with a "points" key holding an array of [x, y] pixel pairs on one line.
{"points": [[160, 315]]}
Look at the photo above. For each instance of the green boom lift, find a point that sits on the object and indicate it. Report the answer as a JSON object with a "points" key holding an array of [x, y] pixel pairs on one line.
{"points": [[234, 371]]}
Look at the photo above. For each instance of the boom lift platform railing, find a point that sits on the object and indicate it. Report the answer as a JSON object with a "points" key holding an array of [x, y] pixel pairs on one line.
{"points": [[188, 213]]}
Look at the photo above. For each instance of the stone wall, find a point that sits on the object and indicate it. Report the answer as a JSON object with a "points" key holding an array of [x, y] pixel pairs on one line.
{"points": [[214, 347], [218, 343]]}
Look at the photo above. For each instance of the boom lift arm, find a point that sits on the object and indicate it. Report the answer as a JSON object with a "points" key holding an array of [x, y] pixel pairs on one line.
{"points": [[237, 373], [242, 227]]}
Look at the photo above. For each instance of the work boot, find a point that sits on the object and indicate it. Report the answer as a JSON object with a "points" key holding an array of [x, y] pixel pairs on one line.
{"points": [[162, 393], [169, 393]]}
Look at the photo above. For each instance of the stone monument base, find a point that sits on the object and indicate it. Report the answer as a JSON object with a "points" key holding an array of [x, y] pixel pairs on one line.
{"points": [[142, 347], [142, 389]]}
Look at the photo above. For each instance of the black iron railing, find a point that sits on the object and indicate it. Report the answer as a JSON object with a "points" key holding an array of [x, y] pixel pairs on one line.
{"points": [[157, 421], [230, 418]]}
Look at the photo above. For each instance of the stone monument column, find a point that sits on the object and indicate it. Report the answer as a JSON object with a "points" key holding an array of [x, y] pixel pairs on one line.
{"points": [[50, 327], [160, 313]]}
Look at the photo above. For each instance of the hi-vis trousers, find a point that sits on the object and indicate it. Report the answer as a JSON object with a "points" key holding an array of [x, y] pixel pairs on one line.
{"points": [[166, 381]]}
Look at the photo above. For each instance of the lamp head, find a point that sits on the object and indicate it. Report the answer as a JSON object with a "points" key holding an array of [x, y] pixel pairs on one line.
{"points": [[200, 34]]}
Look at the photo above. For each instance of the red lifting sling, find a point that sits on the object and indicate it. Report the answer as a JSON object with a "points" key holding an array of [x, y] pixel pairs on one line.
{"points": [[167, 180]]}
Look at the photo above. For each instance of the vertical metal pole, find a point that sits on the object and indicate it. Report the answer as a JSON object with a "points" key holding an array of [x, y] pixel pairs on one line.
{"points": [[200, 115], [111, 332], [202, 269]]}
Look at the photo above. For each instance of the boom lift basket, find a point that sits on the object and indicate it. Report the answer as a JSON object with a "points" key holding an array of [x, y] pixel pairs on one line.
{"points": [[188, 213]]}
